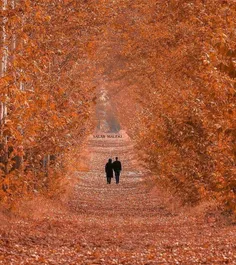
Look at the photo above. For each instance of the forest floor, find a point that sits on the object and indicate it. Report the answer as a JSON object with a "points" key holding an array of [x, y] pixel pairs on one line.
{"points": [[130, 223]]}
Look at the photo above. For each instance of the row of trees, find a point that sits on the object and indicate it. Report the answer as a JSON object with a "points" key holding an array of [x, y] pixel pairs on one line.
{"points": [[45, 91], [169, 67], [177, 88]]}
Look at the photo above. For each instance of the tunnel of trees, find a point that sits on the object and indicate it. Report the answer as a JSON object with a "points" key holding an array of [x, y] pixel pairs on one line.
{"points": [[168, 68]]}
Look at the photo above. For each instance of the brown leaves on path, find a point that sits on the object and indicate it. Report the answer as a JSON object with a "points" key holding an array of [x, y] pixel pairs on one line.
{"points": [[115, 224]]}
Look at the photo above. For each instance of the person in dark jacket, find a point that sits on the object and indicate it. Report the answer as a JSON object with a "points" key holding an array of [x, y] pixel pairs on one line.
{"points": [[117, 168], [109, 171]]}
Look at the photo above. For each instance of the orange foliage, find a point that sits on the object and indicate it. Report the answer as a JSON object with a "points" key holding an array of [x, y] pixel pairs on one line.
{"points": [[46, 96], [169, 67], [179, 73]]}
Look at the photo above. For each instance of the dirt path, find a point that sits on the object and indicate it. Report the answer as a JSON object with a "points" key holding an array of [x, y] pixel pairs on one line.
{"points": [[116, 224]]}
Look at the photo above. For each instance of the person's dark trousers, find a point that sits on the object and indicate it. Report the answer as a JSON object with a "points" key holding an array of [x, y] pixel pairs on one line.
{"points": [[117, 174], [108, 180]]}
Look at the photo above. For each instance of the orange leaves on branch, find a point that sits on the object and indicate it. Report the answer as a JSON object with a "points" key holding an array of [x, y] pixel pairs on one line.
{"points": [[44, 82], [179, 77]]}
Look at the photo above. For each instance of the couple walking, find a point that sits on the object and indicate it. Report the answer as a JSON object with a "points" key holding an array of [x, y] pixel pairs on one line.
{"points": [[110, 167]]}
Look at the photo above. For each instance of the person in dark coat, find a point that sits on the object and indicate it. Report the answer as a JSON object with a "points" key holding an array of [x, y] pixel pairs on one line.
{"points": [[117, 168], [109, 171]]}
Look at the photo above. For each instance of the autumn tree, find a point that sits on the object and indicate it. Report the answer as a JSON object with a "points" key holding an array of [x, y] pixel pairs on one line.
{"points": [[171, 72], [46, 94]]}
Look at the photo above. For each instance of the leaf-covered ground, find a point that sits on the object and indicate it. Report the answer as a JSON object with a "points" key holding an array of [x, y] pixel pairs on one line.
{"points": [[129, 223]]}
